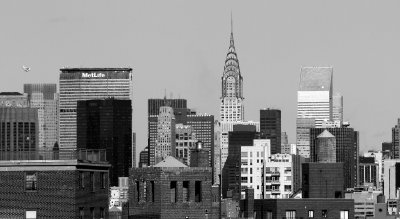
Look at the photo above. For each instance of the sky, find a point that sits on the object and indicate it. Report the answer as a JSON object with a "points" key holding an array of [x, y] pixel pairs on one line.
{"points": [[180, 47]]}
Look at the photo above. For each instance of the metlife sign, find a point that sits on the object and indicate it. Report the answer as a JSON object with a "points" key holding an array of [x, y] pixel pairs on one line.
{"points": [[93, 75]]}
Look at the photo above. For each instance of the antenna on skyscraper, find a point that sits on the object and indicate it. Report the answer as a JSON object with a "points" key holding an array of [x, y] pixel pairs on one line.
{"points": [[231, 22]]}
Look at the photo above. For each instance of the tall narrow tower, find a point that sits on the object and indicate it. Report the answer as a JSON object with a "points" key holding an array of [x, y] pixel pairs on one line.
{"points": [[232, 109]]}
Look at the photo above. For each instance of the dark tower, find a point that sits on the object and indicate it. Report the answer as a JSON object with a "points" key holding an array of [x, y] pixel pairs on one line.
{"points": [[270, 127]]}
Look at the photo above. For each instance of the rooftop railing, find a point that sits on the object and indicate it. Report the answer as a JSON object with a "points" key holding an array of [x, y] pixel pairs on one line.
{"points": [[83, 155]]}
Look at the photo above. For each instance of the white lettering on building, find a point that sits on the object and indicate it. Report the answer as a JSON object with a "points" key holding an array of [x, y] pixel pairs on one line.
{"points": [[93, 75]]}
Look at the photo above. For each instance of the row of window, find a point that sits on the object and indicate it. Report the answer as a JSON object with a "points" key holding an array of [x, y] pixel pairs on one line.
{"points": [[102, 178], [92, 213], [291, 214]]}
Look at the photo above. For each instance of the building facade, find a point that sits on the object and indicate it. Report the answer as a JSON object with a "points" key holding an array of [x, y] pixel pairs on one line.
{"points": [[19, 129], [303, 126], [185, 140], [326, 148], [75, 188], [13, 99], [85, 84], [368, 172], [44, 97], [270, 128], [107, 124], [391, 179], [337, 107], [347, 149]]}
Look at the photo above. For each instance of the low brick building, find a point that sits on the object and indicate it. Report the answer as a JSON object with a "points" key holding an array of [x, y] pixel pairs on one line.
{"points": [[329, 208], [170, 189], [52, 188]]}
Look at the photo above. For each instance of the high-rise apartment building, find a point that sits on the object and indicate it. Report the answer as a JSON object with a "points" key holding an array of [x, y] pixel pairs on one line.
{"points": [[44, 97], [165, 142], [107, 124], [347, 149], [85, 84], [270, 127], [18, 130], [395, 140]]}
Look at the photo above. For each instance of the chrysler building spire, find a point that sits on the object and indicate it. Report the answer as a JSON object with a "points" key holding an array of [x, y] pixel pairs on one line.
{"points": [[232, 109]]}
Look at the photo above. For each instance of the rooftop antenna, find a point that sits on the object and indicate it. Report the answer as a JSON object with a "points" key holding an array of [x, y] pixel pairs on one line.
{"points": [[231, 23]]}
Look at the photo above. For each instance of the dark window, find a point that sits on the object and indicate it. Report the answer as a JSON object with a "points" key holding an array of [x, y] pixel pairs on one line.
{"points": [[338, 194], [173, 191], [102, 213], [103, 182], [152, 190], [92, 181], [31, 181], [186, 192], [324, 213], [92, 213], [138, 190], [197, 191]]}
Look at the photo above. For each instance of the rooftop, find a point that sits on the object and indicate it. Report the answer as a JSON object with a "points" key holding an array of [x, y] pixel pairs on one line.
{"points": [[170, 162], [316, 79], [10, 94], [67, 69], [325, 134]]}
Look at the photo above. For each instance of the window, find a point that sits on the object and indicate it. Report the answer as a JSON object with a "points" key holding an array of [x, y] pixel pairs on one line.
{"points": [[103, 182], [152, 190], [197, 191], [173, 191], [185, 191], [290, 214], [81, 213], [310, 214], [92, 213], [82, 180], [344, 214], [31, 181], [92, 181], [102, 213], [324, 213], [138, 191], [30, 214], [269, 214]]}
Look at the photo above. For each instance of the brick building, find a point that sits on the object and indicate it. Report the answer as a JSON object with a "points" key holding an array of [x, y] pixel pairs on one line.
{"points": [[170, 189], [75, 188]]}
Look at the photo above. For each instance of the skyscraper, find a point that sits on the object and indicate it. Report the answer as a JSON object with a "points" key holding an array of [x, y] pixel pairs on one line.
{"points": [[314, 101], [395, 140], [314, 98], [44, 97], [165, 143], [270, 127], [185, 141], [13, 99], [85, 84], [107, 124], [303, 126]]}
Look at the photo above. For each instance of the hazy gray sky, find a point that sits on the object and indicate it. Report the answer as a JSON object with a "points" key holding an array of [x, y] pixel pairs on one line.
{"points": [[181, 46]]}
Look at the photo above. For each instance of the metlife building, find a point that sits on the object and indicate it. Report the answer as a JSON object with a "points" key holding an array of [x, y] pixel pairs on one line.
{"points": [[87, 84]]}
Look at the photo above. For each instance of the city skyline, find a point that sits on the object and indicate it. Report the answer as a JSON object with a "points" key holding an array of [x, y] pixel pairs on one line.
{"points": [[359, 46]]}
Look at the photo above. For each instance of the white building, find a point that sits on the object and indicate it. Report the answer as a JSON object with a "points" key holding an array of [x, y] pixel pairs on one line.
{"points": [[378, 160], [314, 101], [119, 194], [364, 202], [390, 169], [165, 143]]}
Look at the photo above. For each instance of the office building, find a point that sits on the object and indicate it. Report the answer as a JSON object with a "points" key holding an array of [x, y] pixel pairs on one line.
{"points": [[13, 99], [326, 148], [395, 140], [322, 180], [303, 126], [378, 157], [153, 105], [347, 149], [18, 129], [44, 97], [270, 128], [86, 84], [53, 188], [185, 140], [170, 189], [107, 124], [368, 172], [391, 179], [165, 142], [337, 108], [364, 202]]}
